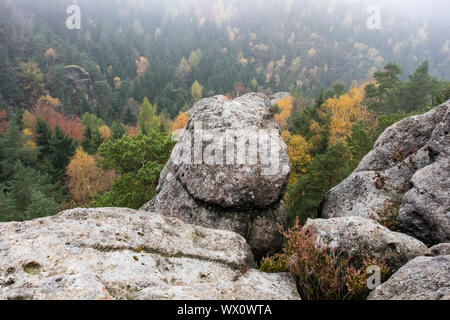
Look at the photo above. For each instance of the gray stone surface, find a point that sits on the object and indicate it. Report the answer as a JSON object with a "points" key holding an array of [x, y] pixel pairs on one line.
{"points": [[355, 237], [424, 278], [442, 249], [245, 198], [114, 253], [408, 169]]}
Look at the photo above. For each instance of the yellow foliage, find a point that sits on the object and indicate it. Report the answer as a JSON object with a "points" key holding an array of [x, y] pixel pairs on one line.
{"points": [[30, 143], [180, 121], [285, 106], [312, 52], [50, 101], [29, 121], [344, 112], [142, 65], [105, 132], [298, 151], [196, 91], [85, 179], [117, 83]]}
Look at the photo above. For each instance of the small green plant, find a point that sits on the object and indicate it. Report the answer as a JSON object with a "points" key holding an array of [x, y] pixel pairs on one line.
{"points": [[275, 109]]}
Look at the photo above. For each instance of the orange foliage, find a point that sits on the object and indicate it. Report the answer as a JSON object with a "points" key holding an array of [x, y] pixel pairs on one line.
{"points": [[3, 122], [85, 179], [142, 65], [285, 106], [105, 132], [132, 131], [180, 121], [45, 109]]}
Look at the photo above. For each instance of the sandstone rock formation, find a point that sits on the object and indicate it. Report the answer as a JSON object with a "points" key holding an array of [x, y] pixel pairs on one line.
{"points": [[114, 253], [80, 80], [406, 172], [424, 278], [356, 237], [239, 185]]}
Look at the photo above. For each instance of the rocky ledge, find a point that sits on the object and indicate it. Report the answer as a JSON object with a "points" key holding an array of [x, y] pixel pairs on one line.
{"points": [[114, 253]]}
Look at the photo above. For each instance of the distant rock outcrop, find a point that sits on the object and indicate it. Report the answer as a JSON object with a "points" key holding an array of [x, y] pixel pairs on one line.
{"points": [[235, 178], [357, 237], [80, 80], [408, 172], [114, 253]]}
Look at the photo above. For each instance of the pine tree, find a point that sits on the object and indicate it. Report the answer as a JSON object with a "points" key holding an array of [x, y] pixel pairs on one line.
{"points": [[323, 173]]}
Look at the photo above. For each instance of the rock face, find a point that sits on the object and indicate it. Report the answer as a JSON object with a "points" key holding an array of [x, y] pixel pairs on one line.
{"points": [[232, 174], [424, 278], [407, 172], [442, 249], [356, 237], [116, 253], [81, 81]]}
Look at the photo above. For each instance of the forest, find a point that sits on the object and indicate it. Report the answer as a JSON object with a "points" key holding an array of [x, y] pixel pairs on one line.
{"points": [[86, 116]]}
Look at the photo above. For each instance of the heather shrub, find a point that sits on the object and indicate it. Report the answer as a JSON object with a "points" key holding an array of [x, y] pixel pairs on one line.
{"points": [[321, 274]]}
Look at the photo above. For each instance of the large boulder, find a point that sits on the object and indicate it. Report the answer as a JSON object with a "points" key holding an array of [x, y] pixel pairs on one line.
{"points": [[424, 278], [406, 174], [229, 170], [357, 237], [117, 253]]}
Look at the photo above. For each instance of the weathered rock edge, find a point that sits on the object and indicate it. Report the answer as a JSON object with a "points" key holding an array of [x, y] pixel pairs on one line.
{"points": [[116, 253]]}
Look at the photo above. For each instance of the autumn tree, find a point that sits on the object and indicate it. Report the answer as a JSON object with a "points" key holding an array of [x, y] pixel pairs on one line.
{"points": [[3, 121], [117, 83], [85, 179], [343, 112], [196, 91], [180, 121], [195, 58], [142, 65], [148, 118], [50, 56], [32, 80], [298, 151], [285, 106], [184, 69], [46, 108]]}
